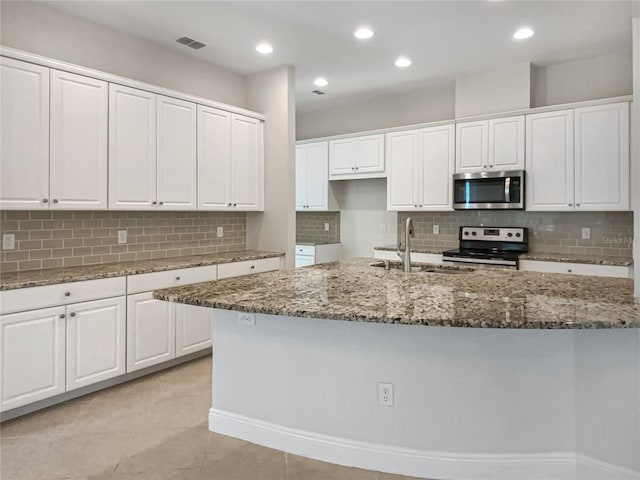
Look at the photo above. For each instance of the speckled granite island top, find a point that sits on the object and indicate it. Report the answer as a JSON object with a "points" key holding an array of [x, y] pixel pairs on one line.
{"points": [[483, 298], [50, 276]]}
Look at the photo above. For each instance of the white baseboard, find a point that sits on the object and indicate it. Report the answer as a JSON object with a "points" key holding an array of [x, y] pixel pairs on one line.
{"points": [[401, 461], [592, 469]]}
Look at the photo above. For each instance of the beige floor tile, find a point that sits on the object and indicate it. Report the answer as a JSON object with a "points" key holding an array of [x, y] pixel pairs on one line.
{"points": [[52, 457], [231, 459], [161, 451], [52, 421], [300, 468], [388, 476]]}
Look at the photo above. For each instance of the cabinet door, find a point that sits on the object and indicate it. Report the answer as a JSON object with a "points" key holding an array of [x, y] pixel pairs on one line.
{"points": [[403, 152], [317, 176], [33, 350], [132, 149], [437, 163], [304, 261], [472, 146], [96, 341], [151, 331], [506, 143], [24, 142], [550, 161], [246, 163], [342, 157], [177, 168], [369, 154], [301, 177], [193, 329], [79, 121], [602, 157], [214, 159]]}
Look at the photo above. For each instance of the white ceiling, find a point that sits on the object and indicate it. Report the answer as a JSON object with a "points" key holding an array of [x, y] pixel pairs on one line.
{"points": [[443, 38]]}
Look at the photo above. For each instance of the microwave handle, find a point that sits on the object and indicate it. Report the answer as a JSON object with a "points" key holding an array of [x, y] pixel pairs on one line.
{"points": [[507, 189]]}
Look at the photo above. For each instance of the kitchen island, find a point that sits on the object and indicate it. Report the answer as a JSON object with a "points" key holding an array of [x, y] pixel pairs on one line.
{"points": [[496, 374]]}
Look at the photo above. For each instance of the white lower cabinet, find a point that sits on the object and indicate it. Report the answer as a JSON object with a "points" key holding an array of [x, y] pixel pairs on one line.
{"points": [[151, 330], [96, 341], [315, 254], [193, 328], [33, 356]]}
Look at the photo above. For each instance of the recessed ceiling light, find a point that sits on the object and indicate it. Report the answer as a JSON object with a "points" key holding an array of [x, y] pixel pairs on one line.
{"points": [[522, 33], [363, 33], [264, 48], [320, 82], [403, 62]]}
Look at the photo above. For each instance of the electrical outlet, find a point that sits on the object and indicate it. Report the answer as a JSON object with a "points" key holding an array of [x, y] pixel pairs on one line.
{"points": [[220, 232], [383, 228], [436, 229], [122, 236], [385, 394], [9, 241], [586, 233], [245, 318], [326, 227]]}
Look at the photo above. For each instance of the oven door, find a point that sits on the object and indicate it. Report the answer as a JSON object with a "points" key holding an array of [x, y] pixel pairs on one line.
{"points": [[489, 190]]}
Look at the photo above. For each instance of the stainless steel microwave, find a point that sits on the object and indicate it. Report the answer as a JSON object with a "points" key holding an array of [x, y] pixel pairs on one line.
{"points": [[489, 190]]}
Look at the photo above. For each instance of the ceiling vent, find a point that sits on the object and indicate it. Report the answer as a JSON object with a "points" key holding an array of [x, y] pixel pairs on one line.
{"points": [[190, 42], [318, 92]]}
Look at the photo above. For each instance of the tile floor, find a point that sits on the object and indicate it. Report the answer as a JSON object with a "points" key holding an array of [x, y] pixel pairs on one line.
{"points": [[154, 428]]}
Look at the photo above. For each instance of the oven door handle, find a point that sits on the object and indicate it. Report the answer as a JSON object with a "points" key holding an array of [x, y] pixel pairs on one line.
{"points": [[507, 189]]}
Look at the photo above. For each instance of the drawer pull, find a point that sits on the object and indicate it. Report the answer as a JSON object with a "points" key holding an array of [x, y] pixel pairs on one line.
{"points": [[177, 278], [67, 294], [252, 267], [62, 315], [73, 314], [569, 270]]}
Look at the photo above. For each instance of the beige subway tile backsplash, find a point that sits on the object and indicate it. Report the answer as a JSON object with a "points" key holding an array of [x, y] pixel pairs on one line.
{"points": [[64, 238], [310, 227]]}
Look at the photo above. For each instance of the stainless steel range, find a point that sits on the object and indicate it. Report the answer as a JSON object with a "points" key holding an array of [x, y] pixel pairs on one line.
{"points": [[491, 246]]}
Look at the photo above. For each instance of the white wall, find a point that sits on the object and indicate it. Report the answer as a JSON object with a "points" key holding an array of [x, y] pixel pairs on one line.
{"points": [[363, 210], [635, 149], [273, 93], [499, 90], [39, 29], [415, 106], [598, 77]]}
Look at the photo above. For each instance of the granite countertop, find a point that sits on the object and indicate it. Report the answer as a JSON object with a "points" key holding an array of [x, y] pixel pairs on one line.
{"points": [[313, 244], [481, 298], [33, 278], [542, 257]]}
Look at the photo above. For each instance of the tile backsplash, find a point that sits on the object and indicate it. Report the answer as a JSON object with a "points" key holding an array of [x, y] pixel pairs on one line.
{"points": [[310, 227], [65, 238], [549, 232]]}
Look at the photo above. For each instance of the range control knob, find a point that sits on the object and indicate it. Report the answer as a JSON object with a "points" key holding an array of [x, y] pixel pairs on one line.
{"points": [[474, 233], [518, 235], [509, 234], [466, 234]]}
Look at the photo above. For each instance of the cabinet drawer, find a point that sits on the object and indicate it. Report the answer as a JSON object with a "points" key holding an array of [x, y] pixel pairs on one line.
{"points": [[305, 250], [576, 268], [146, 282], [237, 269], [31, 298]]}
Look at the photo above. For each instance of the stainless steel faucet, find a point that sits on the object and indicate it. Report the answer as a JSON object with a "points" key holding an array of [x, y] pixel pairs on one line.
{"points": [[406, 255]]}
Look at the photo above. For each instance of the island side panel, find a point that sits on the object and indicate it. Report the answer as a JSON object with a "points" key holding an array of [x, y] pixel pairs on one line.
{"points": [[483, 395]]}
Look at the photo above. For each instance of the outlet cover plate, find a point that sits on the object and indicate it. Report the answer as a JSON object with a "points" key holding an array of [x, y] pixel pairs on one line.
{"points": [[586, 233], [385, 394], [220, 232], [246, 318], [122, 236], [9, 241], [436, 229]]}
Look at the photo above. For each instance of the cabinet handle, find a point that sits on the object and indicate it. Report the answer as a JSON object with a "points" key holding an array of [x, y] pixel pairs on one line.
{"points": [[571, 204], [62, 315], [235, 204], [228, 204], [577, 204], [490, 166], [45, 200], [154, 202], [161, 203], [67, 294], [73, 314], [420, 206], [177, 278], [252, 267], [569, 271], [55, 200], [357, 168], [484, 166]]}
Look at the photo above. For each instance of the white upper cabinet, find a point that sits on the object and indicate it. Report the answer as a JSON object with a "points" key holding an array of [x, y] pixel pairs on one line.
{"points": [[78, 159], [313, 191], [214, 159], [357, 157], [230, 161], [24, 154], [176, 154], [506, 143], [472, 146], [487, 145], [421, 164], [602, 157], [132, 149], [247, 176], [550, 161]]}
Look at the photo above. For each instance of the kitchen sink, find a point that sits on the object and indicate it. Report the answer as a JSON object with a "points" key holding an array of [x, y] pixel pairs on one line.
{"points": [[426, 268]]}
